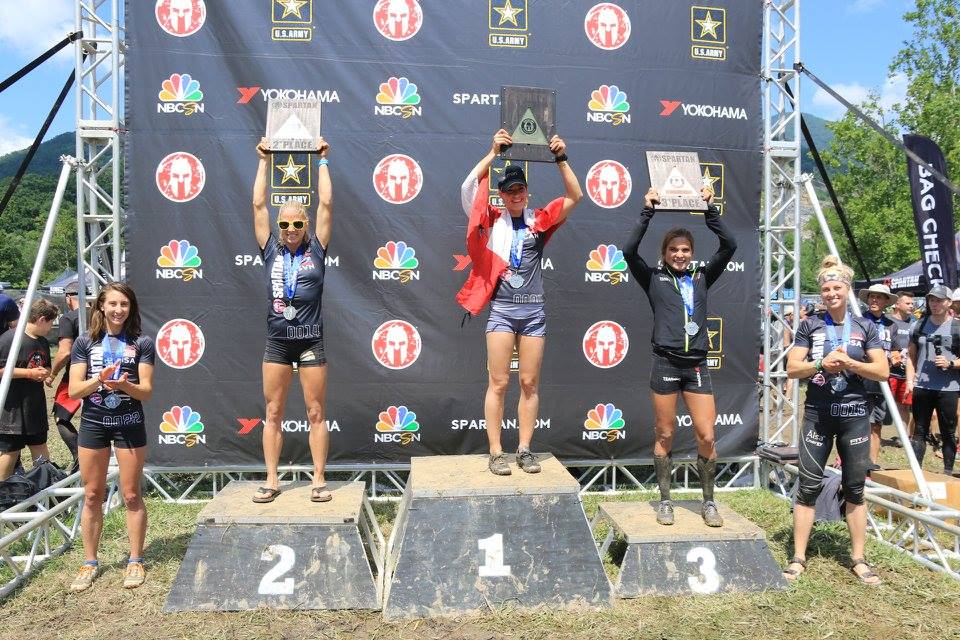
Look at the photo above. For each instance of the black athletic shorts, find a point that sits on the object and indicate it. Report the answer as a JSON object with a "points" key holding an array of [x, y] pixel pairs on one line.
{"points": [[128, 436], [666, 377], [305, 353], [10, 442], [879, 412]]}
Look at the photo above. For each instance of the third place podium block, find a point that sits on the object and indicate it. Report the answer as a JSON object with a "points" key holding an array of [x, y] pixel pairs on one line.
{"points": [[465, 540], [688, 557]]}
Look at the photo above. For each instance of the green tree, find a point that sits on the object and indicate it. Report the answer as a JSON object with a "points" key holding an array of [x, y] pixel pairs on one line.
{"points": [[869, 173]]}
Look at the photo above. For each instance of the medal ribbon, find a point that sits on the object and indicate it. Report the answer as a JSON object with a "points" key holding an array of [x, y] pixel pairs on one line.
{"points": [[832, 331], [291, 271], [516, 247], [684, 286], [115, 351]]}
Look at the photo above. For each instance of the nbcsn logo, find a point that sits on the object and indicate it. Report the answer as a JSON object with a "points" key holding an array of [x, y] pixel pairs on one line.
{"points": [[180, 93], [606, 264], [397, 425], [179, 260], [398, 97], [396, 261], [608, 104], [181, 425], [604, 422]]}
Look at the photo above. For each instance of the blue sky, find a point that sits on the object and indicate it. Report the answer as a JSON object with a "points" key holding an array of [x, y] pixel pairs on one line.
{"points": [[847, 43]]}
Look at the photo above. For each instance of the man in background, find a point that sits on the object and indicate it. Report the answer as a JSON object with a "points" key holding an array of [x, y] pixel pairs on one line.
{"points": [[9, 313], [64, 407]]}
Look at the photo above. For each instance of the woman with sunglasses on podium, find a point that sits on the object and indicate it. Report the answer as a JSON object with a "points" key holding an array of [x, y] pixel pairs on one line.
{"points": [[294, 263]]}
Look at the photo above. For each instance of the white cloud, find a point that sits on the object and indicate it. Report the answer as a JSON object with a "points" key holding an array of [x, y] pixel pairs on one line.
{"points": [[30, 27], [11, 138], [865, 6], [893, 91]]}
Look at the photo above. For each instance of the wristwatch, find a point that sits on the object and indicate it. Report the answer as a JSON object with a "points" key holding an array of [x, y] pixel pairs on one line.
{"points": [[560, 158]]}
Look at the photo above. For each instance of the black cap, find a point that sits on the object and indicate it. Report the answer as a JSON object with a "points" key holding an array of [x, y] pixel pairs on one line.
{"points": [[512, 175]]}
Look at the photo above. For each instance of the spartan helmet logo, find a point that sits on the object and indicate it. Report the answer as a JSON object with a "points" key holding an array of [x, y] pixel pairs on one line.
{"points": [[608, 183], [397, 19], [607, 26], [181, 17], [397, 178], [180, 177], [605, 344], [396, 344], [180, 344]]}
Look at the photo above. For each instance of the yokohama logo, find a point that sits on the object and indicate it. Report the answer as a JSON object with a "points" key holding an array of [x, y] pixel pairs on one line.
{"points": [[323, 95], [702, 110]]}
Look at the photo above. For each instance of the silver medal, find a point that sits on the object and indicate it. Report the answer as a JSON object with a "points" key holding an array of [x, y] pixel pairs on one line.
{"points": [[838, 384], [516, 281], [692, 328], [112, 401], [289, 312]]}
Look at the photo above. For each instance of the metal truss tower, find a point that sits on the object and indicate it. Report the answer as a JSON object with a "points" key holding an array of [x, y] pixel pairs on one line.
{"points": [[780, 223], [99, 65]]}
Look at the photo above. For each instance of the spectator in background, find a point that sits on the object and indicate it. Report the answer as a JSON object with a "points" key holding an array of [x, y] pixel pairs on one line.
{"points": [[23, 419], [902, 316], [878, 298], [64, 407], [935, 356], [9, 313]]}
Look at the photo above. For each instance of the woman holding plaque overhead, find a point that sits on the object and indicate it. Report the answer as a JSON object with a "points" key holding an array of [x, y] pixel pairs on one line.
{"points": [[838, 352], [677, 293], [506, 247], [294, 263]]}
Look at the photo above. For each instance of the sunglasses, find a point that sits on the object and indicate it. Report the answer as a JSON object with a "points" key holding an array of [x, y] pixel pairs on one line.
{"points": [[284, 225]]}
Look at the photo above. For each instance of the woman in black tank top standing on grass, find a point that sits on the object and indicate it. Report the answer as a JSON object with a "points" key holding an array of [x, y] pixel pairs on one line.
{"points": [[294, 265], [678, 295]]}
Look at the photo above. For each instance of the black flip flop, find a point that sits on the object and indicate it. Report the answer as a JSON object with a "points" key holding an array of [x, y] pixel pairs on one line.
{"points": [[265, 494], [320, 494], [793, 573], [869, 573]]}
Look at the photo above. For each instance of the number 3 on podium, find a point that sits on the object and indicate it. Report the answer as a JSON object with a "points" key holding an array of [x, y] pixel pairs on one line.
{"points": [[708, 580], [492, 566]]}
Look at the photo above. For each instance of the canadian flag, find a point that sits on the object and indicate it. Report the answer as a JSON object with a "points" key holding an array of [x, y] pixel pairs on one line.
{"points": [[489, 235]]}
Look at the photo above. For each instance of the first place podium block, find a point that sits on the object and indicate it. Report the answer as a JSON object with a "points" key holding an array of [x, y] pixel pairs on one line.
{"points": [[688, 557], [287, 554], [466, 540]]}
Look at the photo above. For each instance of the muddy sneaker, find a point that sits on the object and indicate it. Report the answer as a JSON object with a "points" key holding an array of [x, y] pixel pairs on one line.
{"points": [[665, 512], [498, 464], [527, 461], [85, 577], [711, 517], [134, 576]]}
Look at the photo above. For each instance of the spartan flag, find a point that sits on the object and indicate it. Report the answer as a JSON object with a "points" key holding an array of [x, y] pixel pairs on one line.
{"points": [[529, 114], [932, 212]]}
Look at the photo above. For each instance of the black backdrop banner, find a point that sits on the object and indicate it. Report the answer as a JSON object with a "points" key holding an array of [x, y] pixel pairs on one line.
{"points": [[410, 95]]}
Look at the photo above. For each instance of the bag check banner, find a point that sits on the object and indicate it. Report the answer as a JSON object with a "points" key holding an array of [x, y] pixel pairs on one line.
{"points": [[410, 94]]}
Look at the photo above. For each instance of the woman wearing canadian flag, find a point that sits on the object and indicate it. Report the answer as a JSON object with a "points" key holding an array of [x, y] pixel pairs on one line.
{"points": [[506, 248]]}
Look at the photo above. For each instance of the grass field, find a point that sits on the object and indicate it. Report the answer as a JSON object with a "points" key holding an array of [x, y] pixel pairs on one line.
{"points": [[826, 603]]}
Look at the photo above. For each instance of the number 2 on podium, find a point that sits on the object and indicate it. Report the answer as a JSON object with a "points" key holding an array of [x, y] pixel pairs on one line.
{"points": [[269, 584], [492, 548]]}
